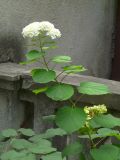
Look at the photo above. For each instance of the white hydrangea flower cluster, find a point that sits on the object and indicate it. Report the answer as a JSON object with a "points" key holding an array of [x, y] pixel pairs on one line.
{"points": [[95, 110], [36, 28]]}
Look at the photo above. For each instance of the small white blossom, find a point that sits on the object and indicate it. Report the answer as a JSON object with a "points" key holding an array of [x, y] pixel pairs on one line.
{"points": [[37, 28], [95, 110], [31, 30], [46, 26], [54, 33]]}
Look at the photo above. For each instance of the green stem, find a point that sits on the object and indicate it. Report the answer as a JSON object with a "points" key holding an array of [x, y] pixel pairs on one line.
{"points": [[77, 100], [59, 74], [92, 143], [64, 77], [46, 64]]}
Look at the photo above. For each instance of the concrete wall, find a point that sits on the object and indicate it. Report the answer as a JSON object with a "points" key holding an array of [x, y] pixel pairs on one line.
{"points": [[86, 25]]}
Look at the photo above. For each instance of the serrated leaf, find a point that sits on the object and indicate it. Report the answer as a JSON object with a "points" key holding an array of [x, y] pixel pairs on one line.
{"points": [[93, 136], [60, 92], [33, 54], [38, 139], [107, 132], [43, 75], [105, 152], [12, 155], [53, 156], [62, 59], [74, 69], [29, 156], [40, 90], [92, 88], [27, 132], [72, 149], [9, 133], [41, 149], [20, 144], [107, 121], [40, 146], [103, 132], [53, 132], [70, 119]]}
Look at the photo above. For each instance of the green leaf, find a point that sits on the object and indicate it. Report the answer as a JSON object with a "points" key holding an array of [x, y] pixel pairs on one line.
{"points": [[53, 132], [107, 121], [60, 92], [40, 90], [107, 132], [27, 132], [38, 139], [43, 75], [74, 69], [49, 118], [40, 146], [61, 59], [49, 47], [27, 62], [93, 136], [70, 119], [29, 156], [82, 156], [72, 149], [1, 137], [9, 133], [41, 149], [33, 54], [92, 88], [20, 144], [103, 132], [53, 156], [105, 152], [12, 155]]}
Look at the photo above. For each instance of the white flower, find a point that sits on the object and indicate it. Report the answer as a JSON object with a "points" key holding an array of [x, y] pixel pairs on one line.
{"points": [[54, 33], [37, 28], [31, 30], [46, 26]]}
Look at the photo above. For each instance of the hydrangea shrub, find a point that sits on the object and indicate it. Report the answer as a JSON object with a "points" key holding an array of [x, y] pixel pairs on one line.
{"points": [[89, 122]]}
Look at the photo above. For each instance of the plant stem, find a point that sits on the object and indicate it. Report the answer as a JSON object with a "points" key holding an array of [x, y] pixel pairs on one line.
{"points": [[45, 63], [64, 77], [100, 142], [91, 141], [59, 74], [77, 100]]}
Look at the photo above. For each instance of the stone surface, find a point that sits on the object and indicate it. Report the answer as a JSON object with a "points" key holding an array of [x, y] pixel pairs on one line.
{"points": [[11, 110], [87, 28]]}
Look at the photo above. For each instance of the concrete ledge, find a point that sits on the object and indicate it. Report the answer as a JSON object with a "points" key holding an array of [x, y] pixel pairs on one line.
{"points": [[17, 77], [15, 72]]}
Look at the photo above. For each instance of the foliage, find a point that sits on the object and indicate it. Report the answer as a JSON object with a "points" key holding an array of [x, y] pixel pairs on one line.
{"points": [[89, 122], [24, 144]]}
